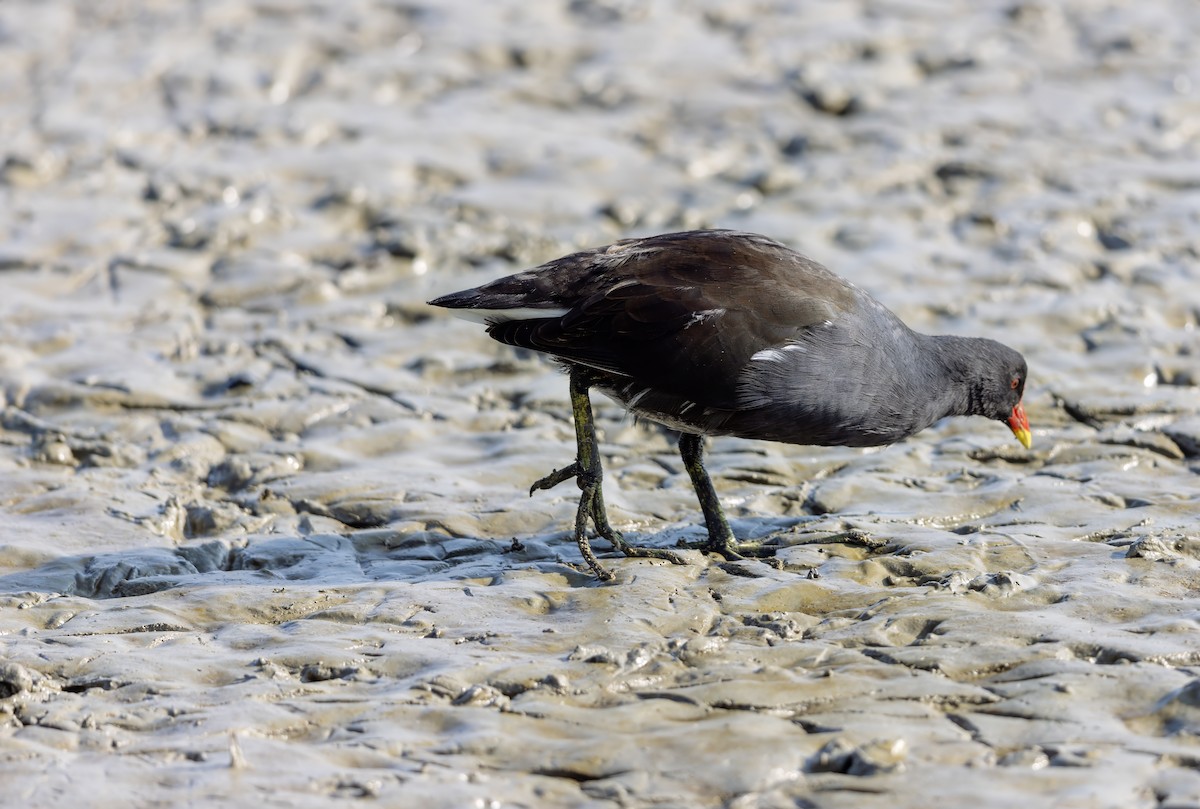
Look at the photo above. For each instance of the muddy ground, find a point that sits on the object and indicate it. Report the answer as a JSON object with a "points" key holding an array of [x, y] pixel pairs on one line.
{"points": [[265, 535]]}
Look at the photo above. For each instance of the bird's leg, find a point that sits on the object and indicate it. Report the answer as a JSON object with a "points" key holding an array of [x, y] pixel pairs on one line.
{"points": [[589, 474], [720, 535]]}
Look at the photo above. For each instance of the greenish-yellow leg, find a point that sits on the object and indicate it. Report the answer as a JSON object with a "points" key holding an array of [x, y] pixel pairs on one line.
{"points": [[588, 474], [720, 535]]}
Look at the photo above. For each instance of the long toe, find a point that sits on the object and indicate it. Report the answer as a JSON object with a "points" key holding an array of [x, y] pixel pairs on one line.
{"points": [[554, 478], [652, 553], [604, 529], [733, 550]]}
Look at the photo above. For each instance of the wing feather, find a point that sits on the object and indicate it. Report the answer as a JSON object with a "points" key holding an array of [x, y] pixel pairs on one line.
{"points": [[680, 313]]}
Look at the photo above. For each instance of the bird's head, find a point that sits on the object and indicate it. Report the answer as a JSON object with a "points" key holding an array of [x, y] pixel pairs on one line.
{"points": [[1001, 390]]}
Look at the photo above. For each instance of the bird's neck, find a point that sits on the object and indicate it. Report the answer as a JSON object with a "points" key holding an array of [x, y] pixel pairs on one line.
{"points": [[959, 389]]}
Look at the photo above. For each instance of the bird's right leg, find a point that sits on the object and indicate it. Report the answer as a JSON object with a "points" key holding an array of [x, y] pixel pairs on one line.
{"points": [[720, 536]]}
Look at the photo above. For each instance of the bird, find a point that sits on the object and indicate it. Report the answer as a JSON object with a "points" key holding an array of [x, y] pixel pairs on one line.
{"points": [[729, 333]]}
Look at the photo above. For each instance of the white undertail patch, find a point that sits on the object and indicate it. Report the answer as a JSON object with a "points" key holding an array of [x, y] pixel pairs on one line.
{"points": [[490, 317]]}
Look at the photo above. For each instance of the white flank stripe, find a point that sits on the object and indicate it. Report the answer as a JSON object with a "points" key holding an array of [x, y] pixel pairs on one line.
{"points": [[777, 354]]}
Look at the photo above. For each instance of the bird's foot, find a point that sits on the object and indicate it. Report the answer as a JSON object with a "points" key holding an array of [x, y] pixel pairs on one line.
{"points": [[639, 552], [733, 553], [614, 537], [590, 503], [731, 550], [591, 506], [620, 545]]}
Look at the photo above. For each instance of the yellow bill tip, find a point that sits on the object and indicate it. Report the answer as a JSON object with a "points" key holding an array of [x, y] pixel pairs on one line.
{"points": [[1024, 436]]}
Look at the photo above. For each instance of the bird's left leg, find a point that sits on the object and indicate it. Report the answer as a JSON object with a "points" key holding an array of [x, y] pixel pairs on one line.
{"points": [[589, 474]]}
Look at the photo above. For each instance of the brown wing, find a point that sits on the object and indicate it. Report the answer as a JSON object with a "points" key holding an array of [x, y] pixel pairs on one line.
{"points": [[679, 313]]}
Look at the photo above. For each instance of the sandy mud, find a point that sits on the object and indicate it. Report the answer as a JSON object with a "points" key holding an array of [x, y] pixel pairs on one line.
{"points": [[265, 532]]}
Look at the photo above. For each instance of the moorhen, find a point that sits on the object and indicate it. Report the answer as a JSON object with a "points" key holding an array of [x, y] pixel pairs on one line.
{"points": [[718, 332]]}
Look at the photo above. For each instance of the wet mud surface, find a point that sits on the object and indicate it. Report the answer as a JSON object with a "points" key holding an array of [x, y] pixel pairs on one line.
{"points": [[265, 532]]}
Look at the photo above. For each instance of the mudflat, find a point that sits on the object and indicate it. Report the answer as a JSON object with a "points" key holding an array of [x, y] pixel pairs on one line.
{"points": [[265, 532]]}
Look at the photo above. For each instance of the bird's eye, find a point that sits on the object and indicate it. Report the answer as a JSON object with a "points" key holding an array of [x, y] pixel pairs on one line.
{"points": [[1016, 383]]}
